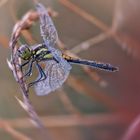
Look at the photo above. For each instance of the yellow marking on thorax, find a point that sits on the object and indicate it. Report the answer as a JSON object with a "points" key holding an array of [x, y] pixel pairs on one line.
{"points": [[49, 56], [66, 57], [41, 50], [33, 52]]}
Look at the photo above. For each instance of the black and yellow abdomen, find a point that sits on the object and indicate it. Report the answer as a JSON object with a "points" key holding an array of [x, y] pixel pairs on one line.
{"points": [[94, 64], [66, 57]]}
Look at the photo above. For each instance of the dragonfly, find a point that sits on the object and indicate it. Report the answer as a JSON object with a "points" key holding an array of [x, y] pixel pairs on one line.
{"points": [[57, 64]]}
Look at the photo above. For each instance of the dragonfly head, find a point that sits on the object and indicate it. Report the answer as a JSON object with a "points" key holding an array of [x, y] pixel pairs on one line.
{"points": [[24, 52]]}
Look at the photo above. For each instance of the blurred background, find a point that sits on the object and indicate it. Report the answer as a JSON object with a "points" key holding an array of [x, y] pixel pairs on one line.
{"points": [[92, 104]]}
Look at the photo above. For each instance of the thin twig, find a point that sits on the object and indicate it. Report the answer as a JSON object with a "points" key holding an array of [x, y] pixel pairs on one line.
{"points": [[71, 120], [133, 130], [85, 45], [2, 2], [83, 88], [5, 125], [67, 103], [93, 20], [25, 23]]}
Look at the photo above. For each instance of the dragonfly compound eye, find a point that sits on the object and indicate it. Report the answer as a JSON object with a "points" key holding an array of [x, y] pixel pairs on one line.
{"points": [[24, 52]]}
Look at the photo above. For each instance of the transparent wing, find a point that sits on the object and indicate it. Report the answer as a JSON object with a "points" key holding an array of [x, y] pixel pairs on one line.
{"points": [[48, 32], [47, 28], [56, 74]]}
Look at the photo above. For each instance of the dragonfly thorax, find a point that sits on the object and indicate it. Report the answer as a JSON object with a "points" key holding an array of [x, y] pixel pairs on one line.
{"points": [[25, 52], [40, 52]]}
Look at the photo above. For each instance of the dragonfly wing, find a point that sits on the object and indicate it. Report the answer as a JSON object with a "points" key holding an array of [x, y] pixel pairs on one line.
{"points": [[48, 32], [47, 28], [56, 75]]}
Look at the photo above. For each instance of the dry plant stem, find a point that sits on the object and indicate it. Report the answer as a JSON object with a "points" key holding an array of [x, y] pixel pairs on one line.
{"points": [[71, 120], [25, 23], [92, 19], [133, 131], [18, 75], [2, 2], [90, 42], [5, 125], [83, 88], [67, 103]]}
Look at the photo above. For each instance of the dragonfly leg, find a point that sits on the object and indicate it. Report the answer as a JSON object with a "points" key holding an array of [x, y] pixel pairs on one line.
{"points": [[30, 67], [42, 76], [24, 64]]}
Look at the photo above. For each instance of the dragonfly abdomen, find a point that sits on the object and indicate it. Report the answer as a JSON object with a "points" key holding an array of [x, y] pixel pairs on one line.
{"points": [[66, 57], [94, 64]]}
